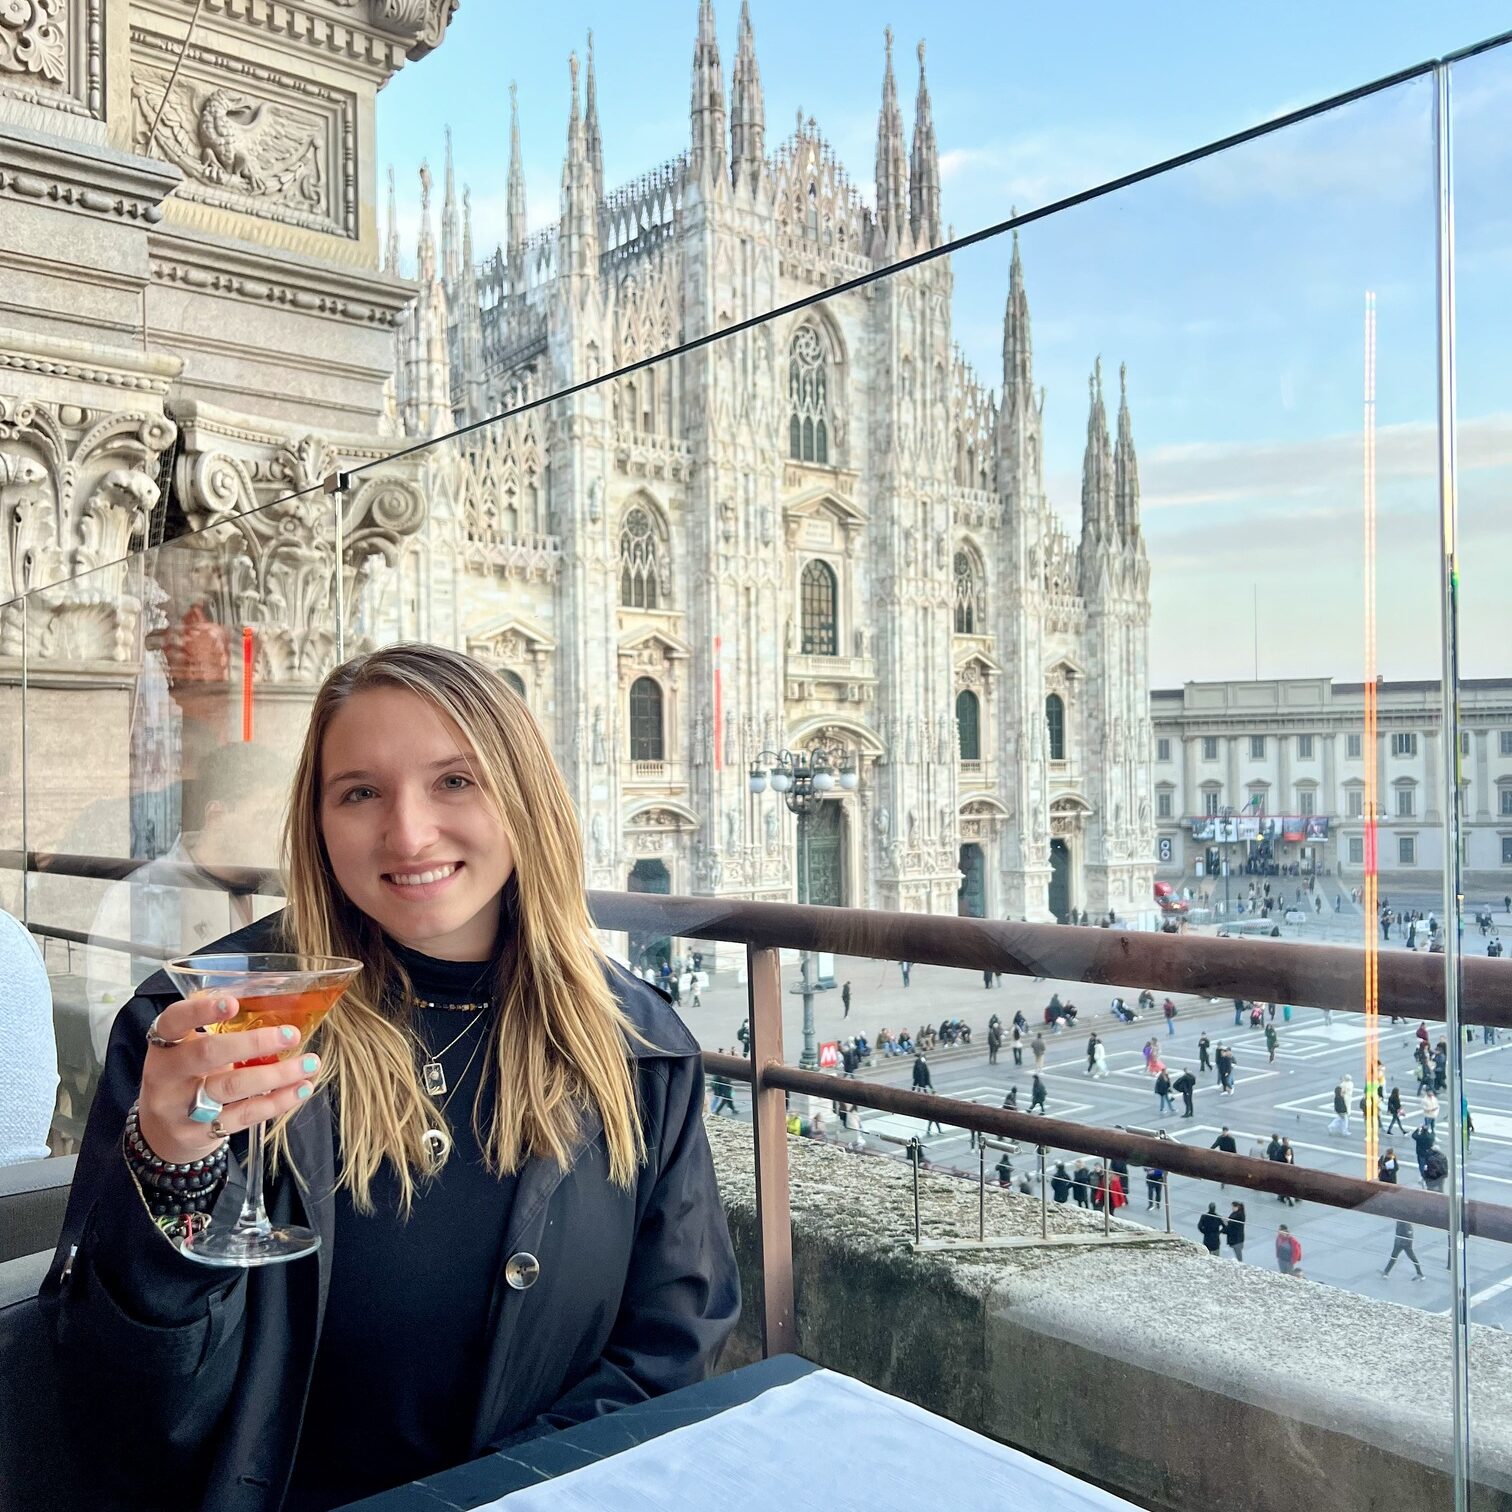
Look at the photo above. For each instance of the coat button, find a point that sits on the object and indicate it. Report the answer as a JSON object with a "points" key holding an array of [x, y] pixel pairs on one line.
{"points": [[522, 1270]]}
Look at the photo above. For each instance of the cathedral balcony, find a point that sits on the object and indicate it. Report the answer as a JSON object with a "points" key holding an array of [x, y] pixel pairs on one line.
{"points": [[836, 679], [806, 477], [648, 772], [644, 454]]}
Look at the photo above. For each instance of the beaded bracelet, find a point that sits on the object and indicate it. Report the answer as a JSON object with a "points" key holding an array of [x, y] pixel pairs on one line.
{"points": [[173, 1190]]}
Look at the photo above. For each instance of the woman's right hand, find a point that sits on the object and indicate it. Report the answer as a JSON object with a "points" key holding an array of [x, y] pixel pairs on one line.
{"points": [[172, 1074]]}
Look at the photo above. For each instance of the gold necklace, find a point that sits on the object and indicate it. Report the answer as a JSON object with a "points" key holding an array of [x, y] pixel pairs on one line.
{"points": [[432, 1072]]}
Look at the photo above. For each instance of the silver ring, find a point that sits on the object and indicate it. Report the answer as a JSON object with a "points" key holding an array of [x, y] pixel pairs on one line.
{"points": [[215, 1129], [205, 1109], [154, 1038]]}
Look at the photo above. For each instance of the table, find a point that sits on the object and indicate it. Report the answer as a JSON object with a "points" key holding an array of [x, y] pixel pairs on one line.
{"points": [[777, 1433]]}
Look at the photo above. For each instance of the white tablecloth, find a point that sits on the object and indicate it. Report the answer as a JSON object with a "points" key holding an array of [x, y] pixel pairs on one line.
{"points": [[823, 1441]]}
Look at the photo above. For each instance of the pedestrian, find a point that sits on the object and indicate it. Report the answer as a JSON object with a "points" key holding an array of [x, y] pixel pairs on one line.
{"points": [[1169, 1009], [1155, 1180], [1037, 1045], [1018, 1046], [1238, 1012], [1387, 1167], [1210, 1226], [1339, 1123], [905, 967], [994, 1043], [1288, 1251], [1225, 1061], [1435, 1169], [845, 998], [1163, 1092], [1422, 1141], [1186, 1084], [723, 1093], [1011, 1101], [1037, 1097], [1081, 1184], [1091, 1051], [1394, 1107], [1099, 1061], [1228, 1145], [743, 1034], [1402, 1245], [1270, 1040], [922, 1080], [987, 983], [1004, 1170], [1233, 1230], [1289, 1157], [1204, 1057], [1430, 1110], [1060, 1182]]}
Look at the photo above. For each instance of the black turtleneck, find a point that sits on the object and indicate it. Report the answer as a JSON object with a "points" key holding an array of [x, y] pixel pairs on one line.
{"points": [[399, 1366]]}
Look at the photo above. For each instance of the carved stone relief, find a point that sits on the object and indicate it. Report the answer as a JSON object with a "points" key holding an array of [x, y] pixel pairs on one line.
{"points": [[52, 53]]}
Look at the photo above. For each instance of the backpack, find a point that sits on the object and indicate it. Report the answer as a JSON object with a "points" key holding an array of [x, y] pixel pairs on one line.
{"points": [[1436, 1166]]}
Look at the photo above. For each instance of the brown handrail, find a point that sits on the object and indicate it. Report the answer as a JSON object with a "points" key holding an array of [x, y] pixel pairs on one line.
{"points": [[1281, 971]]}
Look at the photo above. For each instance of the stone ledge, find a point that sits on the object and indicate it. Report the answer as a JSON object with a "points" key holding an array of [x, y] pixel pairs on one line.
{"points": [[1178, 1381]]}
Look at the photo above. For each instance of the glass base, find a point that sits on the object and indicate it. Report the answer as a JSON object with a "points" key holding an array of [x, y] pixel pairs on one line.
{"points": [[271, 1244]]}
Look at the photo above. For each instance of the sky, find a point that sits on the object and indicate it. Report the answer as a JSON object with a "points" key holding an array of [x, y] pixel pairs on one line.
{"points": [[1234, 288]]}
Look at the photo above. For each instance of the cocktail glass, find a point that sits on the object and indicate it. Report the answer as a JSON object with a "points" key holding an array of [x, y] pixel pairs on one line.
{"points": [[270, 990]]}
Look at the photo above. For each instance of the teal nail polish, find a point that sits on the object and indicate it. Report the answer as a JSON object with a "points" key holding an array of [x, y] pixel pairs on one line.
{"points": [[288, 1034], [304, 1090], [309, 1065]]}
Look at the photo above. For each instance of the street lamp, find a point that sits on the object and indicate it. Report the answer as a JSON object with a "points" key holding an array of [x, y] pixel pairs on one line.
{"points": [[1226, 819], [805, 778]]}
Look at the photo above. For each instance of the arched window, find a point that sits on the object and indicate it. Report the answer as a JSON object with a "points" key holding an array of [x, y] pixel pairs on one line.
{"points": [[969, 619], [646, 742], [808, 397], [640, 569], [819, 635], [1055, 722], [969, 725], [515, 681]]}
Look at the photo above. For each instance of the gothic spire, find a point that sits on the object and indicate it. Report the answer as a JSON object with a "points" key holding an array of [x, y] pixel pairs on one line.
{"points": [[747, 109], [427, 366], [579, 236], [425, 262], [1125, 466], [708, 112], [1018, 347], [391, 248], [924, 170], [892, 163], [515, 207], [591, 126], [1098, 527], [450, 265]]}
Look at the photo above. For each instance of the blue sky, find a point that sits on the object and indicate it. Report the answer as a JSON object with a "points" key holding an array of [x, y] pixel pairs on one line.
{"points": [[1234, 288]]}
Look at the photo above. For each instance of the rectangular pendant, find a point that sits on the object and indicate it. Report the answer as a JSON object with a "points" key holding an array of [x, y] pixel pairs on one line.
{"points": [[433, 1076]]}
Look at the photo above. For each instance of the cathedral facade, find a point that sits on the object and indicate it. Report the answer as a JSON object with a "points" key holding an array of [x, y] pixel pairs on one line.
{"points": [[821, 529]]}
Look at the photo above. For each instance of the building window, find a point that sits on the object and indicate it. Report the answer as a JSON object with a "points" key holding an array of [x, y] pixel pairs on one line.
{"points": [[1210, 748], [819, 594], [969, 725], [1352, 747], [646, 742], [1257, 747], [639, 569], [1354, 803], [1357, 850], [1162, 805], [1464, 742], [1403, 743], [1055, 723], [514, 680], [1210, 798], [1507, 850], [808, 397], [970, 598], [1407, 850], [1406, 801], [1162, 749], [1306, 801], [1504, 742], [1304, 747], [1506, 800]]}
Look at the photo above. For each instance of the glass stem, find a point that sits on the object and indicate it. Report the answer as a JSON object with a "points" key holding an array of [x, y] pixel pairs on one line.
{"points": [[253, 1218]]}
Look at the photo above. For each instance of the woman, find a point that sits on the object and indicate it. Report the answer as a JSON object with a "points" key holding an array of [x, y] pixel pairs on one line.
{"points": [[536, 1243], [1210, 1226], [1233, 1229], [1099, 1060]]}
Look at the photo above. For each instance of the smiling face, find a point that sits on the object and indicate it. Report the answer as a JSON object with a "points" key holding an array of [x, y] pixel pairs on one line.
{"points": [[413, 840]]}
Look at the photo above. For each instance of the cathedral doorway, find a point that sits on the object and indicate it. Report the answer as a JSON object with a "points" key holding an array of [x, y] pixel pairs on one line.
{"points": [[971, 900], [826, 856], [1060, 880], [649, 877]]}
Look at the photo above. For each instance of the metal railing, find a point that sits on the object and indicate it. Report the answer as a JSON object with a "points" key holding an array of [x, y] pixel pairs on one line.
{"points": [[1318, 976]]}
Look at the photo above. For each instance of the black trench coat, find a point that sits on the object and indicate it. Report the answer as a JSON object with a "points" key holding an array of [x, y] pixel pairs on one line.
{"points": [[189, 1383]]}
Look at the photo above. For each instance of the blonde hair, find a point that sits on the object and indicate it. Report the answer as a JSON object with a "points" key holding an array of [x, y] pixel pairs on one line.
{"points": [[560, 1044]]}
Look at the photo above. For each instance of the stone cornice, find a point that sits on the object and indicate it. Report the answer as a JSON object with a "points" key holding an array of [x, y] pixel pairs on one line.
{"points": [[283, 280], [376, 36], [203, 425], [113, 367], [85, 177]]}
